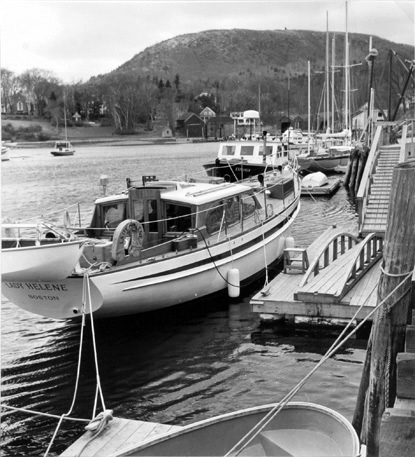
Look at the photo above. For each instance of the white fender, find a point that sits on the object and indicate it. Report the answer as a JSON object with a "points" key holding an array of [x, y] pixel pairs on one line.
{"points": [[233, 283]]}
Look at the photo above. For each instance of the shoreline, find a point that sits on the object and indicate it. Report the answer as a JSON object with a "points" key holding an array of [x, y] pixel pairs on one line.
{"points": [[114, 141]]}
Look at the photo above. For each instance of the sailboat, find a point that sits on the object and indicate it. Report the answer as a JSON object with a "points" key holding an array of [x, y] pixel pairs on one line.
{"points": [[63, 147], [330, 151]]}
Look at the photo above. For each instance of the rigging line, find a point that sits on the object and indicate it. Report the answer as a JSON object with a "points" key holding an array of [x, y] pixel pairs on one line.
{"points": [[88, 290], [78, 373], [238, 447], [214, 263], [38, 413]]}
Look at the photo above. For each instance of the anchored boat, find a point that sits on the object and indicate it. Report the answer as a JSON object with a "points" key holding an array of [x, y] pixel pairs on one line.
{"points": [[299, 429], [238, 160], [63, 148], [155, 245]]}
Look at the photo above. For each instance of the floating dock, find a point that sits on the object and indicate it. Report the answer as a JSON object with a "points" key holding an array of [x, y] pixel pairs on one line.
{"points": [[118, 434], [329, 189], [331, 279]]}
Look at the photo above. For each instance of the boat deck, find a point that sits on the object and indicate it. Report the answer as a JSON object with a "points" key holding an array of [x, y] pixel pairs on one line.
{"points": [[119, 434], [331, 294]]}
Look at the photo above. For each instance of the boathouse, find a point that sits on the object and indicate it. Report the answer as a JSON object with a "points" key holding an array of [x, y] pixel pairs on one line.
{"points": [[194, 126]]}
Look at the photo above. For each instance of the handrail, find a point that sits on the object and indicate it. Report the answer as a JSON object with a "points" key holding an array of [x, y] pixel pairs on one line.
{"points": [[374, 251], [314, 265], [370, 162], [365, 182]]}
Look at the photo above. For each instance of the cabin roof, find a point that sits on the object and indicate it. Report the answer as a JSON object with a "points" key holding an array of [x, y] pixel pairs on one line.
{"points": [[202, 193]]}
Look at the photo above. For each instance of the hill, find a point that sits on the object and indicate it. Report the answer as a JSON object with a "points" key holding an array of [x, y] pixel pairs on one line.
{"points": [[216, 54], [233, 64]]}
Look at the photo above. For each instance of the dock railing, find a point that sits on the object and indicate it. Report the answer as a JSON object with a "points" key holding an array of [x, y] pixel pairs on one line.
{"points": [[336, 246], [366, 181], [371, 250]]}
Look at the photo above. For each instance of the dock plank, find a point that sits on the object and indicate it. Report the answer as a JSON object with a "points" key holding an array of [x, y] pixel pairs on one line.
{"points": [[119, 434]]}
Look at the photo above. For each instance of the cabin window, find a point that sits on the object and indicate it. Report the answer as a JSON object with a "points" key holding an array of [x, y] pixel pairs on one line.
{"points": [[228, 150], [214, 218], [179, 218], [248, 206], [232, 211], [268, 150], [113, 214], [152, 215], [247, 150], [139, 210]]}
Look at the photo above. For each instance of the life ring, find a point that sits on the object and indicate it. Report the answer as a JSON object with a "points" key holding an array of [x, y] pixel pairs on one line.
{"points": [[128, 232]]}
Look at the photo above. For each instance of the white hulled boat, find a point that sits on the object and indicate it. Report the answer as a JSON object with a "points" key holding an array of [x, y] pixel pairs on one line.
{"points": [[238, 160], [299, 429], [157, 244]]}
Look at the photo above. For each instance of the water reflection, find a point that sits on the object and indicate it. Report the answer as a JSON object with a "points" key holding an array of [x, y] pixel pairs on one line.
{"points": [[175, 366]]}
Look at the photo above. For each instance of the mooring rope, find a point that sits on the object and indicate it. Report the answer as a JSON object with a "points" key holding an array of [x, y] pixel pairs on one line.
{"points": [[78, 372], [98, 423], [248, 437]]}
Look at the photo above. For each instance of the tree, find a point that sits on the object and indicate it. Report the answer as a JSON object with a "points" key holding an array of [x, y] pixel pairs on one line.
{"points": [[10, 86], [38, 85], [121, 93]]}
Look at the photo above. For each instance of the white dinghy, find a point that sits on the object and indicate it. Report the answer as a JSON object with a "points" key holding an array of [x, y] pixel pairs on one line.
{"points": [[298, 430]]}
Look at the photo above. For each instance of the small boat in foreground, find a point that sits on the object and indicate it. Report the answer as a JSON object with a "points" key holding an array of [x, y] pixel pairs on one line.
{"points": [[156, 245], [299, 429], [48, 261], [63, 148]]}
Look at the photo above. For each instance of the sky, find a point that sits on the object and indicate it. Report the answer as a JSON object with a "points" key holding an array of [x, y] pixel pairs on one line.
{"points": [[78, 39]]}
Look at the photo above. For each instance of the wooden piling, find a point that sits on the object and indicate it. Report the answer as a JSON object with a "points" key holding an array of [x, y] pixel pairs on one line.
{"points": [[388, 329], [361, 166], [355, 164], [348, 173]]}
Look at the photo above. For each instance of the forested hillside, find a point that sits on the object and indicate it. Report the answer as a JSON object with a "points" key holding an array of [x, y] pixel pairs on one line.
{"points": [[234, 66]]}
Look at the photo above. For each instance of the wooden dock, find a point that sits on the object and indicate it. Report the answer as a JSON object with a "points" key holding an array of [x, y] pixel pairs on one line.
{"points": [[326, 191], [324, 280], [119, 434]]}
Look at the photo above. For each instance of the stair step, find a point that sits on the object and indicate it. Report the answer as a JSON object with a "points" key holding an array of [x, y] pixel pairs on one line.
{"points": [[374, 211]]}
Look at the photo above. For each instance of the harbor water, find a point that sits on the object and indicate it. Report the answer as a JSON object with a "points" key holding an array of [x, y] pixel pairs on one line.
{"points": [[177, 366]]}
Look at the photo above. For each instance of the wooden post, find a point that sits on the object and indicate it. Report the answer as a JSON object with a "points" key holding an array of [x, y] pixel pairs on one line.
{"points": [[348, 174], [388, 329], [362, 162]]}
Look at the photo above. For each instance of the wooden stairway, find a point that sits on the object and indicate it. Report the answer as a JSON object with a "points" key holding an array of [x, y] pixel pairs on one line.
{"points": [[378, 200]]}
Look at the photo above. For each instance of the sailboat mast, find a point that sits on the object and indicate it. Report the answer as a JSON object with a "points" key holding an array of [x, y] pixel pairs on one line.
{"points": [[333, 63], [309, 107], [346, 67], [259, 109], [327, 73], [64, 118]]}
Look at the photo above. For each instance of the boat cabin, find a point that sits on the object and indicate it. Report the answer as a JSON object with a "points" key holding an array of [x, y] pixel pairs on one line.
{"points": [[63, 145], [175, 216], [253, 152]]}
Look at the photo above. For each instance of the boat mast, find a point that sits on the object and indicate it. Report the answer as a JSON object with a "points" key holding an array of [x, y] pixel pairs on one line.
{"points": [[259, 109], [346, 65], [64, 117], [332, 82], [309, 107], [327, 73]]}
